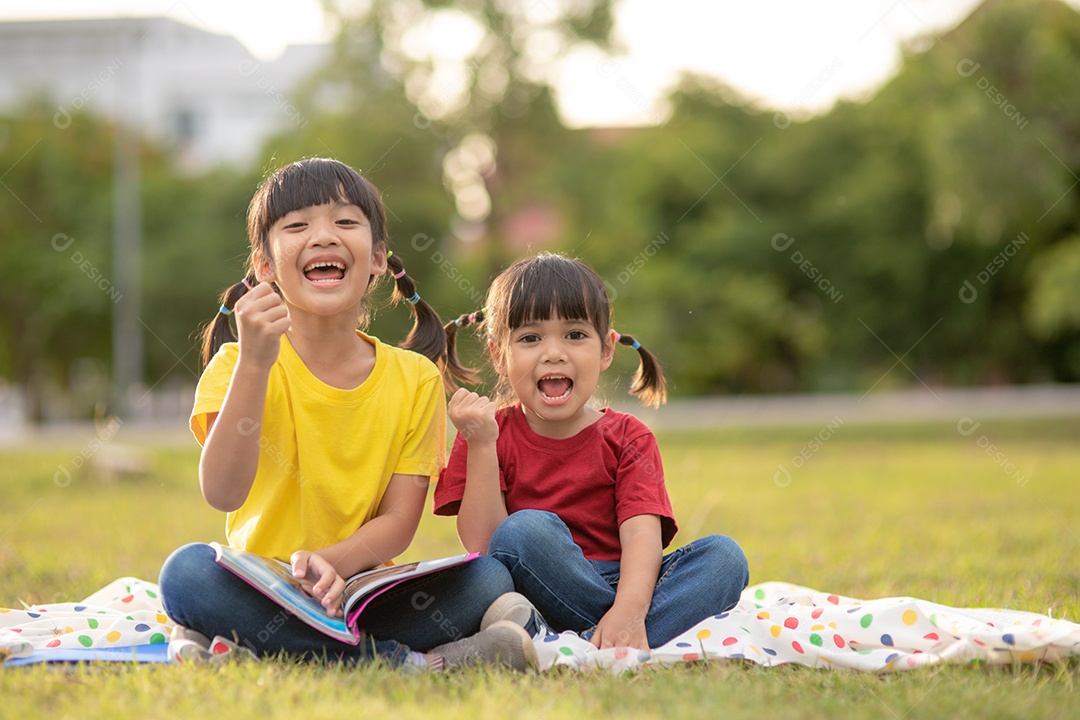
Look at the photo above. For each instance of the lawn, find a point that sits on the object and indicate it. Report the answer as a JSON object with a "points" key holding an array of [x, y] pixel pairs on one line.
{"points": [[961, 515]]}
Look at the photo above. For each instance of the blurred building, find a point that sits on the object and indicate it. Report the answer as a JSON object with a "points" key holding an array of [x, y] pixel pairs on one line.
{"points": [[200, 93]]}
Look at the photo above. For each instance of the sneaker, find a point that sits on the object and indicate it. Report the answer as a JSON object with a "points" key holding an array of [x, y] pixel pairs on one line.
{"points": [[191, 646], [516, 608], [188, 646], [501, 643], [225, 649]]}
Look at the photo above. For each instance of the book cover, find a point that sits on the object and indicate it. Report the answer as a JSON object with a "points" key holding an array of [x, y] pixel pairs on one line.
{"points": [[274, 579]]}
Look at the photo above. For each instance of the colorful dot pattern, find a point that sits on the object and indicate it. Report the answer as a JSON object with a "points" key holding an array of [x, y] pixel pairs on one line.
{"points": [[773, 624], [124, 613], [777, 623]]}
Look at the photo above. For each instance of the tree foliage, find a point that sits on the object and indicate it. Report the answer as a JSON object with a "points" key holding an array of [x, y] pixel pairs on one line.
{"points": [[890, 242], [926, 235]]}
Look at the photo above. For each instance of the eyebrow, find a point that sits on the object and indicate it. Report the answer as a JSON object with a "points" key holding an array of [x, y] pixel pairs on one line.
{"points": [[337, 205], [572, 321]]}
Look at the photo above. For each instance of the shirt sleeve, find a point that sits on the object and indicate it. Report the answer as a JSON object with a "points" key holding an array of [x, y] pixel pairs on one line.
{"points": [[640, 488], [211, 390], [451, 486], [424, 451]]}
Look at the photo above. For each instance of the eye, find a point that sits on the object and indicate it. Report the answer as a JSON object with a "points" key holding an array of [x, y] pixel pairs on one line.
{"points": [[348, 221], [296, 225], [529, 338], [577, 335]]}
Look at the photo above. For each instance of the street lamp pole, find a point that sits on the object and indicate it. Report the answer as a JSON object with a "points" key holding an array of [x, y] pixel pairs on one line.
{"points": [[127, 336]]}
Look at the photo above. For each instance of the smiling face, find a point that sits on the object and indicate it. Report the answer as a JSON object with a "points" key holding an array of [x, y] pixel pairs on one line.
{"points": [[549, 335], [322, 258], [553, 366], [318, 230]]}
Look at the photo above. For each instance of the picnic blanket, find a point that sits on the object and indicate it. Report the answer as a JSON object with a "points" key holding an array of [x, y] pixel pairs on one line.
{"points": [[773, 624], [122, 621], [777, 623]]}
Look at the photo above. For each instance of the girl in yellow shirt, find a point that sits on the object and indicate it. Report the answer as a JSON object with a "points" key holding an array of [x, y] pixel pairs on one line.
{"points": [[319, 441]]}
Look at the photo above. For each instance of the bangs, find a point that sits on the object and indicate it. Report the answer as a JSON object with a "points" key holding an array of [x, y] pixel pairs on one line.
{"points": [[550, 286], [315, 181]]}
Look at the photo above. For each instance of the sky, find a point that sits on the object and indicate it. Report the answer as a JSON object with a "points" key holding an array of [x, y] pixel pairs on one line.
{"points": [[791, 55]]}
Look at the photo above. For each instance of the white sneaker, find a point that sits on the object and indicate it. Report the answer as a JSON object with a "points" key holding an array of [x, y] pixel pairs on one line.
{"points": [[191, 646], [516, 608], [188, 646]]}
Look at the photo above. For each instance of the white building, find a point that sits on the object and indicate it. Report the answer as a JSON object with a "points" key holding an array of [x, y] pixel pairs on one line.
{"points": [[199, 92]]}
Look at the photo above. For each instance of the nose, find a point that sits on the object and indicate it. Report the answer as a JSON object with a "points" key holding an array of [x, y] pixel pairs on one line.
{"points": [[553, 351], [323, 232]]}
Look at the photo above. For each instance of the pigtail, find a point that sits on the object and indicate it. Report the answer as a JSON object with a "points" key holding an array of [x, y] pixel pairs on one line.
{"points": [[427, 336], [649, 382], [219, 330], [461, 373]]}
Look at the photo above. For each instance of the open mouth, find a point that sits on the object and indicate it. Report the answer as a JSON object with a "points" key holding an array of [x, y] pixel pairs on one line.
{"points": [[555, 387], [324, 271]]}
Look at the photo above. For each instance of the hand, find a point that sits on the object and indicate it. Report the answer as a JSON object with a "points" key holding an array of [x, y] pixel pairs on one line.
{"points": [[319, 579], [261, 320], [474, 417], [619, 628]]}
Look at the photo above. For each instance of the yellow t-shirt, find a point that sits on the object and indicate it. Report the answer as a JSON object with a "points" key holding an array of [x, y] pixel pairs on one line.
{"points": [[326, 455]]}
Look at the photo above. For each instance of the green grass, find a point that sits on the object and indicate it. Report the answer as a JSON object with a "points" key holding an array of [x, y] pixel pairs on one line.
{"points": [[875, 511]]}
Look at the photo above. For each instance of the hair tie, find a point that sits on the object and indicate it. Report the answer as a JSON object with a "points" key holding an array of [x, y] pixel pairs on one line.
{"points": [[399, 274], [389, 254], [617, 337], [245, 282], [414, 299], [224, 310], [636, 345], [458, 322]]}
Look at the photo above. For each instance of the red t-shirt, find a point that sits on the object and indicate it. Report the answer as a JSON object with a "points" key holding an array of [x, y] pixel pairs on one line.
{"points": [[608, 472]]}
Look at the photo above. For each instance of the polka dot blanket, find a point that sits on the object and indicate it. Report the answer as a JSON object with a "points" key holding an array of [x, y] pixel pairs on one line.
{"points": [[774, 623], [126, 612]]}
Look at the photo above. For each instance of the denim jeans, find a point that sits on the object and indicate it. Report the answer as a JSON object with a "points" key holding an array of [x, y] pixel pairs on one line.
{"points": [[200, 594], [700, 579]]}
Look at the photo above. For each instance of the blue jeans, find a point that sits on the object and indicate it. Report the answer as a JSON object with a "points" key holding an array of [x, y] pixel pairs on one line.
{"points": [[700, 579], [200, 594]]}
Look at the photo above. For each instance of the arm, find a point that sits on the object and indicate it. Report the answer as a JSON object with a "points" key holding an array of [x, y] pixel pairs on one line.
{"points": [[482, 504], [382, 538], [639, 567], [230, 455]]}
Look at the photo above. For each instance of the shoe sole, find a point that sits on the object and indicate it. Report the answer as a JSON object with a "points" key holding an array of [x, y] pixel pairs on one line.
{"points": [[511, 607]]}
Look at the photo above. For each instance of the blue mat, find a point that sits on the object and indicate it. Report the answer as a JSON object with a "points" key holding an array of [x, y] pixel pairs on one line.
{"points": [[157, 653]]}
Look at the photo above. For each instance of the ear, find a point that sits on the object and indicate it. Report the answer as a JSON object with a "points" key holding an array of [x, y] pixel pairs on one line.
{"points": [[378, 260], [264, 270], [497, 360], [607, 350]]}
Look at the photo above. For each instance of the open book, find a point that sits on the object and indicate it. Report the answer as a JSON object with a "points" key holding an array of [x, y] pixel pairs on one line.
{"points": [[275, 580]]}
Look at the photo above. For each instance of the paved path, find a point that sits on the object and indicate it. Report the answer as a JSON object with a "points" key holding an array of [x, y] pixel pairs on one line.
{"points": [[916, 405]]}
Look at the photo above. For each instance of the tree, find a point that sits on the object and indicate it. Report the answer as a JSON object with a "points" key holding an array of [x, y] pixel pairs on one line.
{"points": [[55, 291], [56, 253]]}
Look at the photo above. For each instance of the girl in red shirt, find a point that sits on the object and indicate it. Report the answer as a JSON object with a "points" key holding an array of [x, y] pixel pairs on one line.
{"points": [[568, 496]]}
